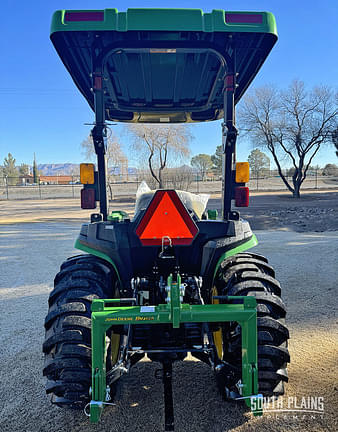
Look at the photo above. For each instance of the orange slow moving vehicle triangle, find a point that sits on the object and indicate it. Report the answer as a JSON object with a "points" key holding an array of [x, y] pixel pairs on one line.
{"points": [[166, 216]]}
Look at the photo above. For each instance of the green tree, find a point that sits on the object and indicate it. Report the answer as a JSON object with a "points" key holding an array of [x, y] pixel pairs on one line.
{"points": [[203, 163], [35, 171], [9, 170], [2, 177], [24, 170], [292, 124], [259, 162], [330, 170], [216, 159]]}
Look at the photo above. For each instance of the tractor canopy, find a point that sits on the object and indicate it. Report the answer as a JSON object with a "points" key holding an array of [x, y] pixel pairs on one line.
{"points": [[162, 65]]}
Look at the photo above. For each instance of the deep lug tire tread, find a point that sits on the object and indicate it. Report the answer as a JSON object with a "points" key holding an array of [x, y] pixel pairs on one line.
{"points": [[250, 274], [67, 344]]}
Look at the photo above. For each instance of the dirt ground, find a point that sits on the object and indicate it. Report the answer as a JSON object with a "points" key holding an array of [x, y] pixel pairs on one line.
{"points": [[35, 237], [315, 211]]}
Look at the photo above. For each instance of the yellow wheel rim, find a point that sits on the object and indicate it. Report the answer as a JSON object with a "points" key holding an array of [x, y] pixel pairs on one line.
{"points": [[115, 347], [218, 336], [115, 338]]}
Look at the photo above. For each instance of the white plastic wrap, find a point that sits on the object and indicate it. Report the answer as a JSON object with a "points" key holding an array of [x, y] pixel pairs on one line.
{"points": [[142, 189], [194, 202]]}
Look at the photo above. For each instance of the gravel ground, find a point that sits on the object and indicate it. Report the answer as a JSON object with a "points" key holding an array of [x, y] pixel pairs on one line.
{"points": [[314, 211], [306, 265]]}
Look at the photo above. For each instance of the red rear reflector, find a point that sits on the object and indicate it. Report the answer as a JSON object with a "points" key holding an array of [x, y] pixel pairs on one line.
{"points": [[242, 196], [243, 18], [84, 16], [166, 216], [98, 83], [229, 83], [88, 199]]}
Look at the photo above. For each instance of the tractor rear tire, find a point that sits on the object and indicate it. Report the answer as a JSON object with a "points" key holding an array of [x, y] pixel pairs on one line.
{"points": [[67, 344], [250, 274]]}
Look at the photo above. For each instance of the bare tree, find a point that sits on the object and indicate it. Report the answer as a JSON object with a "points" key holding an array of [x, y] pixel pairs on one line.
{"points": [[75, 170], [292, 124], [334, 137], [179, 178], [160, 145], [114, 157]]}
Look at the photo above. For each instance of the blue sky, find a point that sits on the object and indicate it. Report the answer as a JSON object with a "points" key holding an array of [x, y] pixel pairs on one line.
{"points": [[41, 111]]}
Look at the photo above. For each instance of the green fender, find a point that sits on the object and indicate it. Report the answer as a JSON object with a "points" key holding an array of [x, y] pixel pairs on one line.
{"points": [[80, 246], [241, 248]]}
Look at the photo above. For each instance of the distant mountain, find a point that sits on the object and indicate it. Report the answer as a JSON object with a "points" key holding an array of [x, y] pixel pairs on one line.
{"points": [[117, 170], [73, 169], [59, 169]]}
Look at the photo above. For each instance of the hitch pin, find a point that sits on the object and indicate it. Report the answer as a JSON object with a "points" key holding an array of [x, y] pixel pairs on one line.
{"points": [[164, 238], [169, 244], [99, 403]]}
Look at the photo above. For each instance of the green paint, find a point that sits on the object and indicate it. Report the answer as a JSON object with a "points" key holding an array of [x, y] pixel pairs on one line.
{"points": [[241, 248], [174, 301], [118, 216], [175, 313], [212, 214], [154, 19], [163, 314], [91, 251]]}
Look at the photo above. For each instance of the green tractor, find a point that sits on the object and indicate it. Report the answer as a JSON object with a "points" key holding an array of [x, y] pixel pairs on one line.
{"points": [[171, 280]]}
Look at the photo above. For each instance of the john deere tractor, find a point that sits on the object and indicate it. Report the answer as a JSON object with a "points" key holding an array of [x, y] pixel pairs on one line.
{"points": [[172, 280]]}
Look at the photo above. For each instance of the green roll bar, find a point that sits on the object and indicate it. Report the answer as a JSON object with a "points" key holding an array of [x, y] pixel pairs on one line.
{"points": [[174, 312]]}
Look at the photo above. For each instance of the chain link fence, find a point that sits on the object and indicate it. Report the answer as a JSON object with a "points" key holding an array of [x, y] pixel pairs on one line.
{"points": [[50, 187], [47, 187]]}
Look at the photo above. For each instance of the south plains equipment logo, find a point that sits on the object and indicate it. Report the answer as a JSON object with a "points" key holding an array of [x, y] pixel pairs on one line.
{"points": [[292, 406]]}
